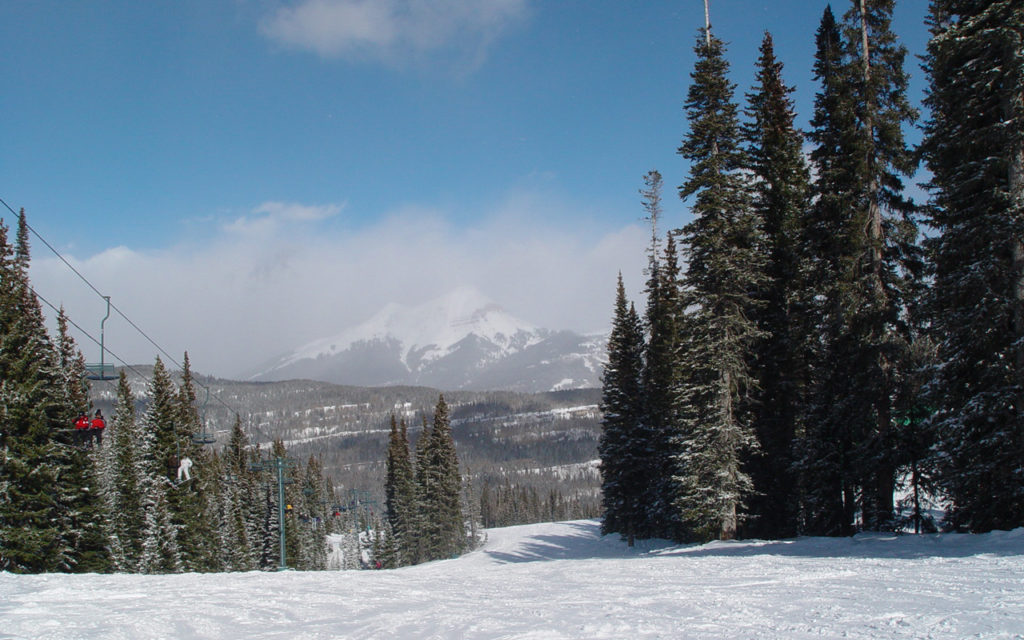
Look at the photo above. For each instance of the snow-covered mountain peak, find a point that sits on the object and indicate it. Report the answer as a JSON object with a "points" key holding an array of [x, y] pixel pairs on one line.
{"points": [[436, 325], [460, 340]]}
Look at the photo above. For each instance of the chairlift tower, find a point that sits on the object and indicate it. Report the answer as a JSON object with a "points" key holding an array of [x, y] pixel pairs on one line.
{"points": [[279, 464]]}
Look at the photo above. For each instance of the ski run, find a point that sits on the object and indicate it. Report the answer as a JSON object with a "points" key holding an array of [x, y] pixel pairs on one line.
{"points": [[564, 580]]}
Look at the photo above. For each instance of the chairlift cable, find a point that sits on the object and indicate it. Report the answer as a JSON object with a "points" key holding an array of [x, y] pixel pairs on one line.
{"points": [[114, 307], [88, 335]]}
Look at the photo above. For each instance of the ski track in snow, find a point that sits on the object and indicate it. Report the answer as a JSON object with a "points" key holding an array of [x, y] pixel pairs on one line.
{"points": [[563, 580]]}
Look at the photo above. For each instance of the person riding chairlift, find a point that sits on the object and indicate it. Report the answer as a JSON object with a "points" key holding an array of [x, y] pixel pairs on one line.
{"points": [[97, 426], [81, 425]]}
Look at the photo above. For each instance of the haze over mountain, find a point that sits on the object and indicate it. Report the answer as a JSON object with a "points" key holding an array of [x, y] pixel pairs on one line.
{"points": [[462, 340]]}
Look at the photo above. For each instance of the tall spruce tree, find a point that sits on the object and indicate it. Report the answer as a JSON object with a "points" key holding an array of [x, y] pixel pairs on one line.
{"points": [[974, 147], [190, 504], [50, 515], [440, 487], [657, 440], [867, 271], [781, 196], [400, 493], [119, 482], [824, 459], [885, 262], [156, 464], [239, 498], [625, 445], [723, 249], [312, 518]]}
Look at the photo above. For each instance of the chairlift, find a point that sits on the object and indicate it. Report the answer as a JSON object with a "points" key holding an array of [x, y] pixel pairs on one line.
{"points": [[101, 370], [205, 436]]}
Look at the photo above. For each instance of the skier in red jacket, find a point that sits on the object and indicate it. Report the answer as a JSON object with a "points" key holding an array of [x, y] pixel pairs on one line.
{"points": [[81, 425], [97, 426]]}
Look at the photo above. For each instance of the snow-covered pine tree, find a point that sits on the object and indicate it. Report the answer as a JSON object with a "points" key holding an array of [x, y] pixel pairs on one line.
{"points": [[974, 147], [312, 518], [885, 262], [71, 364], [400, 492], [827, 485], [624, 446], [154, 464], [655, 440], [191, 510], [865, 273], [440, 485], [781, 197], [119, 482], [50, 516], [234, 497], [723, 248]]}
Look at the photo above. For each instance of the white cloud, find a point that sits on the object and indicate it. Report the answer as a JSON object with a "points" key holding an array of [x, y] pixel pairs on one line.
{"points": [[270, 216], [245, 297], [392, 31]]}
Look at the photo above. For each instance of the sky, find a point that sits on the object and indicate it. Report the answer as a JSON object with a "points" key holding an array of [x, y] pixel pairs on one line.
{"points": [[242, 177]]}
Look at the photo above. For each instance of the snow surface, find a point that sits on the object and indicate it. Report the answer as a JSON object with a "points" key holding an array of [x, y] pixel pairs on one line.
{"points": [[564, 580]]}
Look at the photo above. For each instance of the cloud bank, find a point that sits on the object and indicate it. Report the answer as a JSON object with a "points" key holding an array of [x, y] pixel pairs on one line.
{"points": [[392, 31], [285, 274]]}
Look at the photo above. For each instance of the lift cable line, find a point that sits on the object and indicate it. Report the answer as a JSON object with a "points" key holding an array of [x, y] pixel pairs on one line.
{"points": [[111, 305], [88, 335]]}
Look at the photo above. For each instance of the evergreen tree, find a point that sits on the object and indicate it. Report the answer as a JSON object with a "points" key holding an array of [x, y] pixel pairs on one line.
{"points": [[239, 500], [440, 487], [866, 271], [50, 517], [824, 463], [71, 364], [624, 446], [656, 439], [781, 197], [312, 519], [192, 511], [974, 147], [155, 464], [723, 249], [119, 482], [885, 260], [400, 492]]}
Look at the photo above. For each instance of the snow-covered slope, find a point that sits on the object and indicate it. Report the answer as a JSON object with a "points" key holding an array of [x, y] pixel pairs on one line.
{"points": [[556, 581], [462, 340]]}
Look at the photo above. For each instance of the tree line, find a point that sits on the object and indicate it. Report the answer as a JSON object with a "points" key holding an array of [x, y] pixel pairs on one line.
{"points": [[146, 497], [815, 354]]}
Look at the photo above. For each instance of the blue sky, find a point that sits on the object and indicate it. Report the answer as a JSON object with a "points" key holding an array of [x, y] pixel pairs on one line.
{"points": [[286, 168]]}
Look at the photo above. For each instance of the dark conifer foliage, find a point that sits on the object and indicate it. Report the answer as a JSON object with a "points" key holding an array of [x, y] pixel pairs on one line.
{"points": [[781, 191], [400, 492], [656, 448], [974, 147], [724, 267], [440, 487], [865, 263], [626, 446], [50, 516], [824, 451]]}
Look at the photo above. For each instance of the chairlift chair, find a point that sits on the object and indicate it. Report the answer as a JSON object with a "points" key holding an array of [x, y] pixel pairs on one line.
{"points": [[101, 370], [205, 436]]}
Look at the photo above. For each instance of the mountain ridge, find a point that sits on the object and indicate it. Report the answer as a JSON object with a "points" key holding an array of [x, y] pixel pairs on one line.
{"points": [[461, 340]]}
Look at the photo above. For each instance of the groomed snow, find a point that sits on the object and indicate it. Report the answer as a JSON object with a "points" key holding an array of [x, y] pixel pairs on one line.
{"points": [[564, 580]]}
